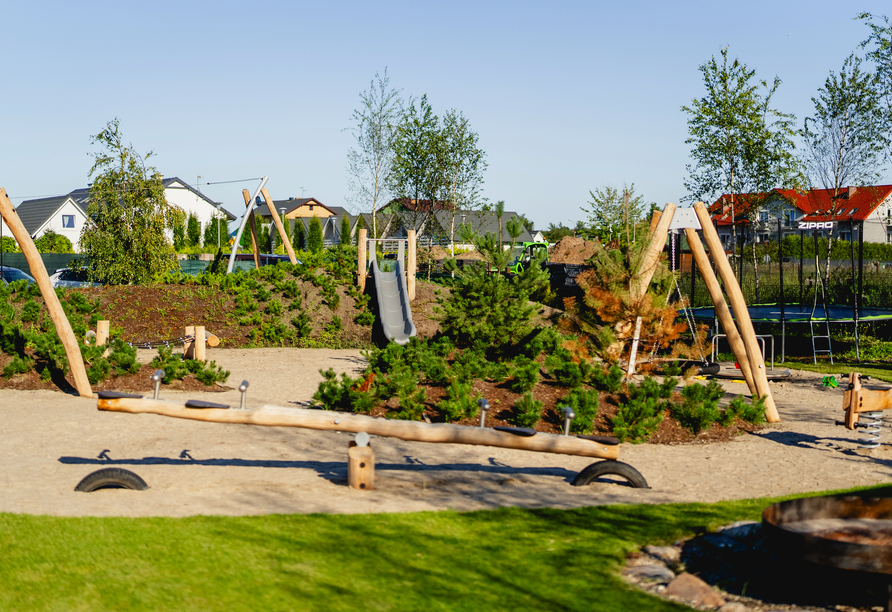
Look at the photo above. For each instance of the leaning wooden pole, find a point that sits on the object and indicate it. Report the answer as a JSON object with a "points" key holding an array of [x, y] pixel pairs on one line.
{"points": [[38, 271], [721, 307], [285, 240], [741, 313], [253, 224], [651, 257], [444, 433], [361, 259]]}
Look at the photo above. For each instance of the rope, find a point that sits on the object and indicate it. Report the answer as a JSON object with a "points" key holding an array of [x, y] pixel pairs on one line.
{"points": [[149, 344]]}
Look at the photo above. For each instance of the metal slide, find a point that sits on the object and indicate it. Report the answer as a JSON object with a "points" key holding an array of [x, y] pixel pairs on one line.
{"points": [[393, 303]]}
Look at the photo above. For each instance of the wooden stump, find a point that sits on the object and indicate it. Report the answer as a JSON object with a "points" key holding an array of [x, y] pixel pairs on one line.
{"points": [[360, 467]]}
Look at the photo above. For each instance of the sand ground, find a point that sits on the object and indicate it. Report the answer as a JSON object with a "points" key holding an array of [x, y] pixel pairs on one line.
{"points": [[49, 441]]}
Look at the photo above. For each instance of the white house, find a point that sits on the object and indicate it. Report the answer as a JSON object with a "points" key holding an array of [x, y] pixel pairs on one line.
{"points": [[66, 215]]}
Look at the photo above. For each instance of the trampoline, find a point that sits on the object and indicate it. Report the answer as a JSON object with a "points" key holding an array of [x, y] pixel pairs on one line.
{"points": [[793, 313], [807, 314]]}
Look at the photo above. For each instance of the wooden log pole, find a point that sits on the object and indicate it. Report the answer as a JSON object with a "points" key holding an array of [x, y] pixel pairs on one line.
{"points": [[328, 420], [211, 339], [721, 307], [189, 344], [360, 467], [101, 333], [411, 264], [285, 240], [38, 271], [253, 225], [361, 260], [654, 221], [651, 256], [741, 313], [199, 345]]}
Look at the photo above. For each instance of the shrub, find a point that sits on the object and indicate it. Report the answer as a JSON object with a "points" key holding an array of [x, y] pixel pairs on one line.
{"points": [[566, 370], [699, 407], [527, 411], [525, 373], [18, 365], [585, 404], [608, 379], [639, 416], [749, 412], [176, 368], [460, 402]]}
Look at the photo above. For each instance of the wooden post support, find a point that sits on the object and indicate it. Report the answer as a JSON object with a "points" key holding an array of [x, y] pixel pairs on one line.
{"points": [[247, 195], [188, 345], [411, 265], [362, 261], [654, 221], [652, 255], [360, 467], [721, 307], [101, 333], [38, 271], [285, 240], [741, 314], [199, 345]]}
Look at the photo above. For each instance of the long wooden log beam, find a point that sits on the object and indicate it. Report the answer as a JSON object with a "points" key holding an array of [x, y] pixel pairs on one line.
{"points": [[741, 313], [651, 257], [721, 307], [415, 431], [253, 224], [38, 271], [286, 242]]}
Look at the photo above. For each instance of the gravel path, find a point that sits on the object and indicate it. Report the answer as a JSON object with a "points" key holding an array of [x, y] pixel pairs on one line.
{"points": [[49, 441]]}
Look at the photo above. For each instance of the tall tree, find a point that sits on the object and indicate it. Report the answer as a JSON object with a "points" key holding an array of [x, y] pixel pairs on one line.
{"points": [[417, 173], [462, 162], [300, 237], [740, 143], [612, 212], [345, 231], [370, 162], [314, 236], [880, 55], [126, 243], [193, 230], [843, 139]]}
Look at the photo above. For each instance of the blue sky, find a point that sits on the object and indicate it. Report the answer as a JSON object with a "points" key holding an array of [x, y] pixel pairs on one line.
{"points": [[566, 97]]}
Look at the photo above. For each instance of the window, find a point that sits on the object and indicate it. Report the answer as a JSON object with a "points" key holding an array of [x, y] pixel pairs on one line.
{"points": [[68, 221], [763, 215]]}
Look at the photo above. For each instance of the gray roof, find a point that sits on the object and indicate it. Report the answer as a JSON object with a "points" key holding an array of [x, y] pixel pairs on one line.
{"points": [[168, 181], [483, 222], [34, 213]]}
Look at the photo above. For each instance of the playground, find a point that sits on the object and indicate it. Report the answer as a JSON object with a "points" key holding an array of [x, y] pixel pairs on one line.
{"points": [[197, 468]]}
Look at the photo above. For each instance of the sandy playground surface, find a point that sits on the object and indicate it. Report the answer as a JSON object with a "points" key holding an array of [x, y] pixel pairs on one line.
{"points": [[49, 441]]}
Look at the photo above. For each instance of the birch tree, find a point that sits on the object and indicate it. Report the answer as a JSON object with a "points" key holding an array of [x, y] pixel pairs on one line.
{"points": [[843, 139], [463, 163], [740, 143], [370, 162]]}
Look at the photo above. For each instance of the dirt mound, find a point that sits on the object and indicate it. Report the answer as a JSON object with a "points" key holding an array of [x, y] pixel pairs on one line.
{"points": [[469, 255], [571, 250]]}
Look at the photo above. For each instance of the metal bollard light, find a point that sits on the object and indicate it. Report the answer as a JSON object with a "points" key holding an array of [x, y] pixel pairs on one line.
{"points": [[569, 415], [484, 407], [243, 388], [156, 378]]}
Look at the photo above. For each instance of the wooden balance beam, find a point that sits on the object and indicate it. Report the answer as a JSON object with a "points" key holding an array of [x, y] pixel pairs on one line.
{"points": [[415, 431]]}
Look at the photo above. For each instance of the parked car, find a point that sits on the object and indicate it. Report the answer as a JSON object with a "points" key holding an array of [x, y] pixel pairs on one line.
{"points": [[67, 277], [14, 274]]}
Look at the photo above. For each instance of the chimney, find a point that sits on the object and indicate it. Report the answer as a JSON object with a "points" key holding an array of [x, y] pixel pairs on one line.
{"points": [[852, 191]]}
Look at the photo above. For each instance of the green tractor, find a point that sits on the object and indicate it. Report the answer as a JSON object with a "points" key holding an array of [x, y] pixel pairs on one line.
{"points": [[525, 253]]}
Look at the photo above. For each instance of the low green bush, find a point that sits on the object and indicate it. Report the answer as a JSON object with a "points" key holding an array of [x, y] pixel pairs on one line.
{"points": [[699, 407], [527, 411], [584, 403], [641, 411]]}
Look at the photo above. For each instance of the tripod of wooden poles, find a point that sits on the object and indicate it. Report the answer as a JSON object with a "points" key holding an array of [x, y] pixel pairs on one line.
{"points": [[739, 326]]}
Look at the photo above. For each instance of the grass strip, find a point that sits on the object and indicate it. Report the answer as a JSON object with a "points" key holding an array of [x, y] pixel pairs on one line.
{"points": [[506, 559]]}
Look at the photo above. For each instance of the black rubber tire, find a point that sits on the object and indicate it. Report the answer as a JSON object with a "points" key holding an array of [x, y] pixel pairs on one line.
{"points": [[610, 468], [111, 478]]}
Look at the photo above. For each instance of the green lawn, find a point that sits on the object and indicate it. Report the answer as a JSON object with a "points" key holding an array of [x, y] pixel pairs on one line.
{"points": [[507, 559]]}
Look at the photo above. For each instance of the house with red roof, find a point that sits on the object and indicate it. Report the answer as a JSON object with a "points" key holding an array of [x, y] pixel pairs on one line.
{"points": [[759, 216]]}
